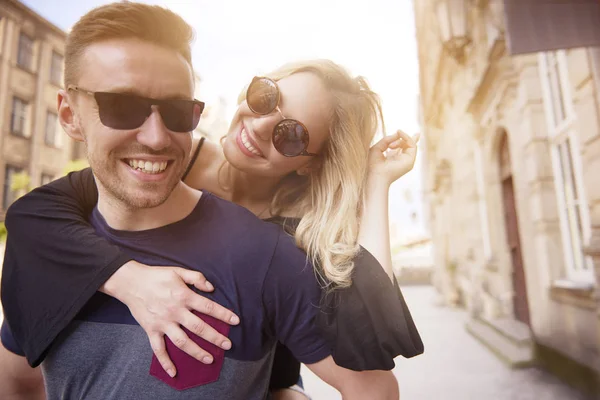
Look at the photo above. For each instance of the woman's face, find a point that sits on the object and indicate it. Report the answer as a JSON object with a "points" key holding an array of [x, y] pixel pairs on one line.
{"points": [[248, 146]]}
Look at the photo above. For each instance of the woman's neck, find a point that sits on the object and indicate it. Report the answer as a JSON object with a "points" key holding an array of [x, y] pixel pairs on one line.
{"points": [[250, 191]]}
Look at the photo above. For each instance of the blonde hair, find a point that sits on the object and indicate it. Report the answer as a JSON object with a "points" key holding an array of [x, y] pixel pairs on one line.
{"points": [[330, 199], [125, 20]]}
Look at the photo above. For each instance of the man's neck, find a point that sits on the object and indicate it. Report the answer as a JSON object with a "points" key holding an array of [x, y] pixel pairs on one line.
{"points": [[178, 206]]}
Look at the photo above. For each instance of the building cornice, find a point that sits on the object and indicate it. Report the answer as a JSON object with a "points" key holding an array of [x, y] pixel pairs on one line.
{"points": [[499, 72], [23, 9]]}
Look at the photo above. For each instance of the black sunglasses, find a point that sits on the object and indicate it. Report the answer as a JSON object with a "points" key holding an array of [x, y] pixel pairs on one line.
{"points": [[127, 111], [290, 137]]}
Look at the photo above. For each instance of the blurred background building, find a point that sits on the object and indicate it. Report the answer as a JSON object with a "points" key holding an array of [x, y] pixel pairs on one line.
{"points": [[511, 123], [33, 148]]}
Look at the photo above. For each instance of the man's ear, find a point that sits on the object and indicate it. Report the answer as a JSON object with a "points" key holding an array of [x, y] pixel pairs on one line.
{"points": [[67, 117]]}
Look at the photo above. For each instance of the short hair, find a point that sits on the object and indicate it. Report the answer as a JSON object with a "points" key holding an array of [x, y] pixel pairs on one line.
{"points": [[124, 20]]}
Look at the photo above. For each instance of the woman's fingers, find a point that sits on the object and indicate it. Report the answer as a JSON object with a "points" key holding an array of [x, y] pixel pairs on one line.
{"points": [[187, 345], [410, 142], [157, 342], [403, 140], [194, 278], [383, 144], [199, 327], [206, 306]]}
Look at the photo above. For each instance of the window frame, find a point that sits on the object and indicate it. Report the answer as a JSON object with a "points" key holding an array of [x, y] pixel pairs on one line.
{"points": [[56, 71], [23, 115], [27, 63], [47, 126], [568, 173], [7, 195]]}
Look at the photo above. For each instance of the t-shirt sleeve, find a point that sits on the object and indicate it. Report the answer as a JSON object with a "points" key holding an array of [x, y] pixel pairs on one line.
{"points": [[54, 261], [291, 296], [8, 340], [369, 323]]}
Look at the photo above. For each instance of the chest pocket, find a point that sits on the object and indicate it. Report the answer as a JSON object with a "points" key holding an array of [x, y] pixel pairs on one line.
{"points": [[191, 372]]}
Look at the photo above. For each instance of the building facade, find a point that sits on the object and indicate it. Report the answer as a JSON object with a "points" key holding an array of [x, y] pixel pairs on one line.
{"points": [[31, 72], [512, 176]]}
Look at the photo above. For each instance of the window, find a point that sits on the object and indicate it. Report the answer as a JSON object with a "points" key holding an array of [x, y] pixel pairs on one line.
{"points": [[50, 134], [46, 178], [25, 54], [56, 68], [9, 195], [566, 164], [18, 121]]}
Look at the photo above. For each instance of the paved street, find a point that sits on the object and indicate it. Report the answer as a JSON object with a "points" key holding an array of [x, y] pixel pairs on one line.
{"points": [[455, 366]]}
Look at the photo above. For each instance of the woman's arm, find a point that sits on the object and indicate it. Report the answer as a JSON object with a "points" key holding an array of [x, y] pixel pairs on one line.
{"points": [[372, 314], [48, 235], [389, 159], [55, 262]]}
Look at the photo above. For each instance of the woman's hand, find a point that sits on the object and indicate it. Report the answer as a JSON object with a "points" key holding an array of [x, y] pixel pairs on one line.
{"points": [[160, 301], [392, 157]]}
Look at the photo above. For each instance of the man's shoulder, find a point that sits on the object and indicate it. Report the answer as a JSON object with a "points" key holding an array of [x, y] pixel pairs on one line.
{"points": [[240, 218], [289, 260], [237, 228]]}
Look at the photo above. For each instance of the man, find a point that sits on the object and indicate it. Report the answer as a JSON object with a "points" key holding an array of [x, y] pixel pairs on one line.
{"points": [[129, 87]]}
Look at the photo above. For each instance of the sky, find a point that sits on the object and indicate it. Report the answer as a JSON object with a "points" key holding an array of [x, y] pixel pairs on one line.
{"points": [[238, 39]]}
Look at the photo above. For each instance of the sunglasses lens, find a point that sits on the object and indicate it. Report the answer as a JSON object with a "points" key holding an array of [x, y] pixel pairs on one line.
{"points": [[180, 115], [262, 96], [125, 111], [122, 111], [290, 138]]}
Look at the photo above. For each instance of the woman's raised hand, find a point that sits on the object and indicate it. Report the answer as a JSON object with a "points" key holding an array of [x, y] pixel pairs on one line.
{"points": [[392, 157]]}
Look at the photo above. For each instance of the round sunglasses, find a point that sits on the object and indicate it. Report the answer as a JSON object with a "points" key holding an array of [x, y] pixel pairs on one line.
{"points": [[290, 137]]}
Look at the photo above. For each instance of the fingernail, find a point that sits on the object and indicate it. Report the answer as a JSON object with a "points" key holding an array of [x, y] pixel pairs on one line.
{"points": [[226, 345], [209, 286], [207, 360], [234, 319], [171, 373]]}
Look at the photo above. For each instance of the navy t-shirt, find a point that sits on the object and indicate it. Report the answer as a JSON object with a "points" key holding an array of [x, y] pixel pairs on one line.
{"points": [[258, 272]]}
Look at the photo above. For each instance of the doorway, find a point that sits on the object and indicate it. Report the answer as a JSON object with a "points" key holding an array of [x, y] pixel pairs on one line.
{"points": [[520, 303]]}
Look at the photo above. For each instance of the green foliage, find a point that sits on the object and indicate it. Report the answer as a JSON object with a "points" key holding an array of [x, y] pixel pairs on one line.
{"points": [[20, 183], [75, 165], [2, 232]]}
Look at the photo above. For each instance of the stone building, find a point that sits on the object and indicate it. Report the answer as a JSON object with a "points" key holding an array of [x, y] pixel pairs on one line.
{"points": [[31, 68], [512, 176]]}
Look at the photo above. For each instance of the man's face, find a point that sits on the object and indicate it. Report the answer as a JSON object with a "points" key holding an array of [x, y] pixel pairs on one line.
{"points": [[128, 164]]}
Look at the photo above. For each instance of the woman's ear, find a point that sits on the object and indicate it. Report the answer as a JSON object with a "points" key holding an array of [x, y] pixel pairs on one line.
{"points": [[68, 119]]}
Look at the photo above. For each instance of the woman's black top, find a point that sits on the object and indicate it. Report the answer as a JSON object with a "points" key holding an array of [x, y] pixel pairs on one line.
{"points": [[54, 262]]}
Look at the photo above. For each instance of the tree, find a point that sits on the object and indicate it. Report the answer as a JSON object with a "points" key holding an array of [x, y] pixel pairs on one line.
{"points": [[75, 165], [2, 232], [20, 184]]}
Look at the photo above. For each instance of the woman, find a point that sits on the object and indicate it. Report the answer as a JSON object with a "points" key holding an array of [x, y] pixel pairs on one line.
{"points": [[297, 153]]}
